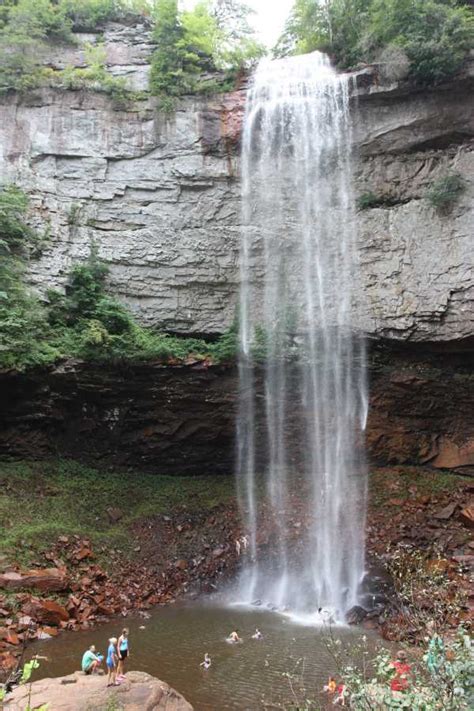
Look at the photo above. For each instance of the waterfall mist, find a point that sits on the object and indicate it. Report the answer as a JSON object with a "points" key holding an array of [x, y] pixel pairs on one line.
{"points": [[301, 473]]}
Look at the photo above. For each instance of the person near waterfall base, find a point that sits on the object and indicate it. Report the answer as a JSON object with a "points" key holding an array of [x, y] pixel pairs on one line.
{"points": [[234, 637], [123, 651]]}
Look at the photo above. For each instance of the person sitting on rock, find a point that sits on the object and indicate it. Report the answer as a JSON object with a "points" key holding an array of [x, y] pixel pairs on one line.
{"points": [[123, 652], [207, 662], [91, 661], [233, 638], [112, 659]]}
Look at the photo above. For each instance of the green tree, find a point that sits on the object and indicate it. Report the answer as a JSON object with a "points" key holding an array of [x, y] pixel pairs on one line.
{"points": [[209, 38], [332, 26], [40, 19], [435, 34]]}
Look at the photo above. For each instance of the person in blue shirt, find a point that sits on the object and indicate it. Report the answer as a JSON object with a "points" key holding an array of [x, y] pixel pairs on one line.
{"points": [[123, 652], [112, 659], [91, 661]]}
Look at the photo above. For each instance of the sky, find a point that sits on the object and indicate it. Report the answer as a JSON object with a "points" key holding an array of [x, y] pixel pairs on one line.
{"points": [[269, 18]]}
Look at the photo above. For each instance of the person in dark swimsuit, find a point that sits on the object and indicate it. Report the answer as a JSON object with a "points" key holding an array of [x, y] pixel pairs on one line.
{"points": [[123, 651]]}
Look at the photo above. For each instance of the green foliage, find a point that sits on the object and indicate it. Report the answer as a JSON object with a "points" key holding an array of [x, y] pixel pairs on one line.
{"points": [[95, 76], [369, 199], [450, 686], [27, 26], [435, 35], [15, 235], [445, 192], [22, 323], [332, 26], [210, 38], [40, 19]]}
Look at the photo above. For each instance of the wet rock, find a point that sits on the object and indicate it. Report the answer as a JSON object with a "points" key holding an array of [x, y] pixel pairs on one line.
{"points": [[355, 615], [45, 580]]}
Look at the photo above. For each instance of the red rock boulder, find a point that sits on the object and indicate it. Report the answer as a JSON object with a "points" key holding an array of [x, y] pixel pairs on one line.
{"points": [[47, 612], [45, 580]]}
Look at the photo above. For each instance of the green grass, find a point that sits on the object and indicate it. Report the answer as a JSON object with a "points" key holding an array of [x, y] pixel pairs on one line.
{"points": [[40, 501], [428, 482]]}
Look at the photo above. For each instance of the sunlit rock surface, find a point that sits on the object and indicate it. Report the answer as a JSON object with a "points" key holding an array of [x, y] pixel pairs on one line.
{"points": [[160, 197], [78, 692]]}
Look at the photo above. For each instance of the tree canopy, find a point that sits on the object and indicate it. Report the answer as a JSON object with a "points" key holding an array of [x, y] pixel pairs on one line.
{"points": [[435, 35]]}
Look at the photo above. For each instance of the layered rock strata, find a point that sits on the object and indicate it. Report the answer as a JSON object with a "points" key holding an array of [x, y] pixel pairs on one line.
{"points": [[182, 419]]}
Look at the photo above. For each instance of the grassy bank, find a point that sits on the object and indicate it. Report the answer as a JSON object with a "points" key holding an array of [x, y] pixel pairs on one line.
{"points": [[44, 499]]}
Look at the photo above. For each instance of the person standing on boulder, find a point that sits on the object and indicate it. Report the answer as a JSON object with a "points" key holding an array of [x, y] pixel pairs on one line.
{"points": [[112, 662], [123, 653]]}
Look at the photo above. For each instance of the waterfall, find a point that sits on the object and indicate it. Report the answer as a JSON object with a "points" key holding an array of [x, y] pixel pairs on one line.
{"points": [[301, 475]]}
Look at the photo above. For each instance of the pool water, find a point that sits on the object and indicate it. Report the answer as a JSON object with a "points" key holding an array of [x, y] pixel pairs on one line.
{"points": [[243, 677]]}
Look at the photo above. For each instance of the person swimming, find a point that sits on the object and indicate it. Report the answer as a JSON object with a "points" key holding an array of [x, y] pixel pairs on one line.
{"points": [[234, 638], [257, 634], [207, 661]]}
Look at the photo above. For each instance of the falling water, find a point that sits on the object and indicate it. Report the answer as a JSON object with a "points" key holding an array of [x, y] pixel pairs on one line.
{"points": [[303, 402]]}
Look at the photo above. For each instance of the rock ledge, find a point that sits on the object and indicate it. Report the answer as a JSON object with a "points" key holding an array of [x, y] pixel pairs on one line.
{"points": [[78, 692]]}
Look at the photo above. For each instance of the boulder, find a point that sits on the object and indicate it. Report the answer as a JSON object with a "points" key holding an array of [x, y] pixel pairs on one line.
{"points": [[79, 692], [47, 612], [46, 580], [355, 615], [467, 514]]}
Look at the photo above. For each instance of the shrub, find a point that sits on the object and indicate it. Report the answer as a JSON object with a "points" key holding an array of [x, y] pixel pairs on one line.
{"points": [[370, 199], [446, 192]]}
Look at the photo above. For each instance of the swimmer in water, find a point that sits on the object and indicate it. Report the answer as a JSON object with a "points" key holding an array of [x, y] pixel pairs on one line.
{"points": [[258, 634], [207, 662], [234, 637]]}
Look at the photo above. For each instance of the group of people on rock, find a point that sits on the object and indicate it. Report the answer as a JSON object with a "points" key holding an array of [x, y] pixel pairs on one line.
{"points": [[233, 638], [117, 652]]}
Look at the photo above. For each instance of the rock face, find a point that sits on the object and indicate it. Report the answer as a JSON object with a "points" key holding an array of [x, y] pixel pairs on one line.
{"points": [[182, 419], [78, 692], [159, 196]]}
